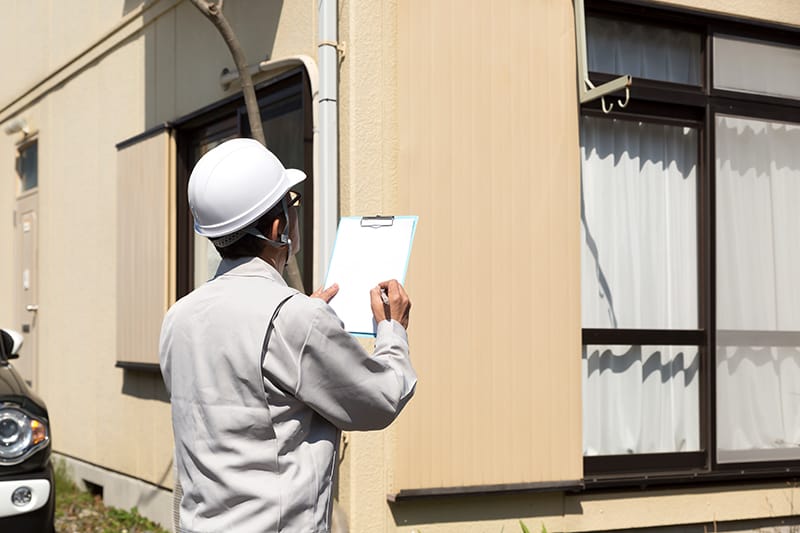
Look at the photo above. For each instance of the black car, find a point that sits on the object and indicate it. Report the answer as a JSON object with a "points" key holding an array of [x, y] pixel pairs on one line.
{"points": [[27, 491]]}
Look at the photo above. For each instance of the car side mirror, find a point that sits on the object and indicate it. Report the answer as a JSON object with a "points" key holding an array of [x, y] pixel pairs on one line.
{"points": [[10, 343]]}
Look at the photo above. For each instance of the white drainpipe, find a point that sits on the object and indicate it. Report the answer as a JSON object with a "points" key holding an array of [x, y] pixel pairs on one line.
{"points": [[326, 176]]}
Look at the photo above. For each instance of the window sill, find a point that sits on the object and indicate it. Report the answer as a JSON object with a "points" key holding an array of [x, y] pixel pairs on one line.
{"points": [[484, 490], [139, 367], [597, 484], [689, 479]]}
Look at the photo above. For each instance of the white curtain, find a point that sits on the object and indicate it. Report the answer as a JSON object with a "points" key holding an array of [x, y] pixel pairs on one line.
{"points": [[758, 289], [640, 399], [617, 47], [639, 270], [639, 225]]}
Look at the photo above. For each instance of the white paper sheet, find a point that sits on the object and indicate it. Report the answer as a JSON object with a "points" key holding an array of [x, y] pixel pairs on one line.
{"points": [[363, 256]]}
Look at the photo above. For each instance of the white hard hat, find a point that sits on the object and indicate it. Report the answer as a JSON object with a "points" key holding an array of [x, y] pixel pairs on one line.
{"points": [[234, 184]]}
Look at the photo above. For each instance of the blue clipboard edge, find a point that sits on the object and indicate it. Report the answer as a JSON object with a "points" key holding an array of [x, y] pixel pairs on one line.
{"points": [[372, 335]]}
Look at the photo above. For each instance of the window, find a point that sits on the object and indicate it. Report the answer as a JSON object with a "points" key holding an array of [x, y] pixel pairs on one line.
{"points": [[757, 67], [690, 249], [644, 51], [758, 289], [285, 105], [28, 166], [639, 271]]}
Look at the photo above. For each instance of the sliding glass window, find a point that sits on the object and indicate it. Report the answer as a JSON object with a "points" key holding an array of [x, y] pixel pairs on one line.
{"points": [[690, 249]]}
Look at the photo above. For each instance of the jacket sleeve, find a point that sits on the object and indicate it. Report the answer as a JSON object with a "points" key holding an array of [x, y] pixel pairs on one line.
{"points": [[328, 370]]}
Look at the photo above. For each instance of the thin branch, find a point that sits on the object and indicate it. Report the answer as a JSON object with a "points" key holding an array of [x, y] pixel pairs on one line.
{"points": [[203, 6], [213, 12]]}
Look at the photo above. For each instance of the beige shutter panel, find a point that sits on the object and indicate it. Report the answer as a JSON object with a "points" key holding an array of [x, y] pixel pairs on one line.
{"points": [[145, 243], [490, 161]]}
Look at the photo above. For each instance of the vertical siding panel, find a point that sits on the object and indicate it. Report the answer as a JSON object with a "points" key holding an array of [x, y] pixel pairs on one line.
{"points": [[525, 348], [489, 160], [569, 287], [439, 189], [446, 189], [478, 170], [465, 224], [503, 407], [418, 113], [546, 344]]}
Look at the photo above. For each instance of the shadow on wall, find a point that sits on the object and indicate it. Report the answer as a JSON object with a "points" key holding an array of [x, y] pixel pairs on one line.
{"points": [[538, 509], [766, 525], [130, 5], [148, 497], [449, 509], [144, 385], [185, 55]]}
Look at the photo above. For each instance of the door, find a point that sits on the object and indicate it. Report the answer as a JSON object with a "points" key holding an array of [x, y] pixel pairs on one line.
{"points": [[26, 297]]}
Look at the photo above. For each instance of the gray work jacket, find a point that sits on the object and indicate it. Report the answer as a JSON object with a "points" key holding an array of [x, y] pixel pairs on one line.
{"points": [[256, 441]]}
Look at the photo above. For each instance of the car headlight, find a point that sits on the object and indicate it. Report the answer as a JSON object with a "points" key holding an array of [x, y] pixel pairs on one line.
{"points": [[20, 434]]}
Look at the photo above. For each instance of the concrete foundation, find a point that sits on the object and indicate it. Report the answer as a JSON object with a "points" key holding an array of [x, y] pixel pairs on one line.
{"points": [[122, 491]]}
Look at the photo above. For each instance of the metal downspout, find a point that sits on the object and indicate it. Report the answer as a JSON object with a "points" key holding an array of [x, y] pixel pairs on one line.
{"points": [[326, 203]]}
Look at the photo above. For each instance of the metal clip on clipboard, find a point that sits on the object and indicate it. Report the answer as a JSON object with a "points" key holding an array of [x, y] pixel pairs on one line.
{"points": [[377, 221]]}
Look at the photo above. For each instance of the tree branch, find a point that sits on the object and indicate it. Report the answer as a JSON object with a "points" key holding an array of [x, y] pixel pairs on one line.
{"points": [[213, 12]]}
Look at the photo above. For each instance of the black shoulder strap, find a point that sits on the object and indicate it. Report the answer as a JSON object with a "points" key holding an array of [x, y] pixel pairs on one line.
{"points": [[270, 327]]}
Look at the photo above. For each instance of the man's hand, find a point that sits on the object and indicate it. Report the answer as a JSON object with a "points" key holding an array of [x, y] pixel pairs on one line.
{"points": [[327, 294], [398, 305]]}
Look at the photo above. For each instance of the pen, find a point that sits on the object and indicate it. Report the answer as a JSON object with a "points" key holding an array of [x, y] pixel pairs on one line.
{"points": [[384, 297]]}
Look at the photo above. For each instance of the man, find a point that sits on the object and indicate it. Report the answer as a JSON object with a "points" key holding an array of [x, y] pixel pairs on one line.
{"points": [[262, 378]]}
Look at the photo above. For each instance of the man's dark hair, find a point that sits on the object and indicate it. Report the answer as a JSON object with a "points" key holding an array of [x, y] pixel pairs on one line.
{"points": [[249, 245]]}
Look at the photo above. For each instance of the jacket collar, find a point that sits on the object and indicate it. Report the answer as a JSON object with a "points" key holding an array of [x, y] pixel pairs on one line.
{"points": [[248, 267]]}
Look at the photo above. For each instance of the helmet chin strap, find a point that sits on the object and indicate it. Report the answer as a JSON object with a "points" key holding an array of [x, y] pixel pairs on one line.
{"points": [[285, 240]]}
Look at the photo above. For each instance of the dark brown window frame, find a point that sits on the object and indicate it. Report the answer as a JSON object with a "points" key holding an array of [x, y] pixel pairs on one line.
{"points": [[671, 103], [293, 81]]}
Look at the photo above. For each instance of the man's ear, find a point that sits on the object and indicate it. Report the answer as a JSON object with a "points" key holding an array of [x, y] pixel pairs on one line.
{"points": [[275, 230]]}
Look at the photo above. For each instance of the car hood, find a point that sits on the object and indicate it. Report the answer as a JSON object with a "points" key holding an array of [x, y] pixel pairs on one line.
{"points": [[13, 389], [11, 383]]}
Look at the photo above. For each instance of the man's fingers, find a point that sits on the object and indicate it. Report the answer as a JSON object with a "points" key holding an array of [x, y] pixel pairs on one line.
{"points": [[399, 303], [402, 291], [378, 307], [375, 292], [391, 286], [326, 294]]}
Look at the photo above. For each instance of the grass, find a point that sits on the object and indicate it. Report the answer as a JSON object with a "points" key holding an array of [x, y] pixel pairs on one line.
{"points": [[526, 530], [78, 511]]}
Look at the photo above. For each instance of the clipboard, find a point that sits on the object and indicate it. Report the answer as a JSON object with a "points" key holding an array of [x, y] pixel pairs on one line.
{"points": [[367, 250]]}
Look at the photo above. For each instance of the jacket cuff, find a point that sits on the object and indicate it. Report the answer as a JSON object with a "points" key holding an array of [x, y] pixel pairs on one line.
{"points": [[392, 327]]}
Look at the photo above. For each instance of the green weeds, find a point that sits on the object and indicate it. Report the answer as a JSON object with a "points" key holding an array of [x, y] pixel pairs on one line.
{"points": [[78, 511]]}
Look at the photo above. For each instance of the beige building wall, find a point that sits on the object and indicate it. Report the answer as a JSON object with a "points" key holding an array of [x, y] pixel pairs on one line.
{"points": [[433, 95], [8, 188], [40, 36], [445, 106], [776, 11], [369, 180]]}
